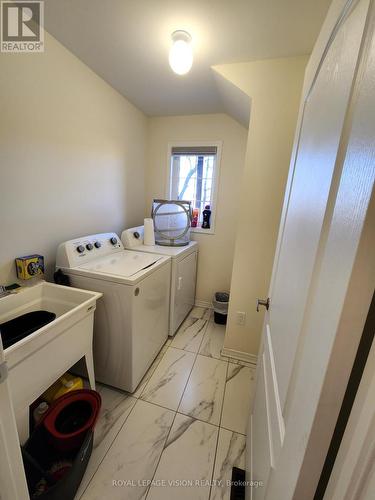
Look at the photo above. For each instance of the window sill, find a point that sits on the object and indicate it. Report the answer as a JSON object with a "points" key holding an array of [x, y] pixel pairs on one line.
{"points": [[199, 230]]}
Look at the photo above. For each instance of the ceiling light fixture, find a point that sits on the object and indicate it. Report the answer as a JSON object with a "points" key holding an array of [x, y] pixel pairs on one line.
{"points": [[181, 53]]}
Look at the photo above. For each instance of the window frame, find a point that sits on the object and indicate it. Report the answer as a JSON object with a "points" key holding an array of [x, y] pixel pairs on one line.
{"points": [[215, 179]]}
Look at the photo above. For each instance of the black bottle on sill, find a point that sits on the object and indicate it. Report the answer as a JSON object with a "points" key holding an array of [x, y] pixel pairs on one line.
{"points": [[206, 217]]}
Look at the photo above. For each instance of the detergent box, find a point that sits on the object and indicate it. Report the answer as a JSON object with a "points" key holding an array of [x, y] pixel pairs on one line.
{"points": [[30, 266]]}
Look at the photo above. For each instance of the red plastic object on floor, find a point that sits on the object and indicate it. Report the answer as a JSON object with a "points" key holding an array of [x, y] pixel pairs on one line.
{"points": [[70, 417]]}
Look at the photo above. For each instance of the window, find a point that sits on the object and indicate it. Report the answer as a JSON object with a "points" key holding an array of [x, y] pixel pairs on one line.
{"points": [[193, 177]]}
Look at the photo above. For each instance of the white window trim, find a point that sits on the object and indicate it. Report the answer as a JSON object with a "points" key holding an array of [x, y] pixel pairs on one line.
{"points": [[216, 178]]}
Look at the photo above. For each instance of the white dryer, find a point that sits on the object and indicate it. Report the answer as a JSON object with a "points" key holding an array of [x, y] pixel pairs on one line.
{"points": [[183, 276], [131, 320]]}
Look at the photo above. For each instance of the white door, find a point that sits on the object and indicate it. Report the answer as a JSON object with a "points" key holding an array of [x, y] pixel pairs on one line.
{"points": [[12, 478], [311, 189], [353, 474]]}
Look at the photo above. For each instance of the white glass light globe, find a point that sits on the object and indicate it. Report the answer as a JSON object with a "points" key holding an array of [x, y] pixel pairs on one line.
{"points": [[181, 54]]}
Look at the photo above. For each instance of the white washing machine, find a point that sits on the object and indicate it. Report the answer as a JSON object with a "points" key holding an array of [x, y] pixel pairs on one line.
{"points": [[131, 320], [183, 276]]}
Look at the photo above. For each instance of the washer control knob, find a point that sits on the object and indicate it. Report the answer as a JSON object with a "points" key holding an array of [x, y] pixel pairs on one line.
{"points": [[97, 244], [80, 249], [113, 240], [89, 246]]}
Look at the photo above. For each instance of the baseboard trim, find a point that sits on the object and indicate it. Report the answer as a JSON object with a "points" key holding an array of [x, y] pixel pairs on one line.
{"points": [[242, 356], [203, 303]]}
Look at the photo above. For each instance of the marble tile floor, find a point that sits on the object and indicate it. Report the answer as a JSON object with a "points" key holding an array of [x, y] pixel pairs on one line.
{"points": [[181, 432]]}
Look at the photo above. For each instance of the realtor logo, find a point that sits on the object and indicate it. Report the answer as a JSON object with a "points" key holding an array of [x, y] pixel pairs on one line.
{"points": [[22, 26]]}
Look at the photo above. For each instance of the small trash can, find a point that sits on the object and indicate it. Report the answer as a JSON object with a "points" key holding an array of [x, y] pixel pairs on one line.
{"points": [[220, 304]]}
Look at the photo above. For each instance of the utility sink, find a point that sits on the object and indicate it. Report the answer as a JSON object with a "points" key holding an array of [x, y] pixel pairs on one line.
{"points": [[44, 354]]}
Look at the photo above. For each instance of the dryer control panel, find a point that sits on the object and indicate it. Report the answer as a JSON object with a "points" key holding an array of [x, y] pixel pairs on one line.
{"points": [[75, 252], [133, 237]]}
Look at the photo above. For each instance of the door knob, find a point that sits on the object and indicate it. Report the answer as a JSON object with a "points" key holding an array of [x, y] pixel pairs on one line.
{"points": [[263, 302]]}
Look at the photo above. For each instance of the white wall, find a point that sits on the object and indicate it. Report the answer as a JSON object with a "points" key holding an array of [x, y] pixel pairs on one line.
{"points": [[71, 155], [274, 87], [215, 251]]}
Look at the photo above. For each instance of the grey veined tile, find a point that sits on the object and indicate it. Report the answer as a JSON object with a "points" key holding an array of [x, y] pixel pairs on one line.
{"points": [[200, 313], [239, 391], [186, 465], [230, 453], [190, 334], [203, 396], [132, 459], [149, 373], [213, 341], [116, 406], [167, 383], [240, 362]]}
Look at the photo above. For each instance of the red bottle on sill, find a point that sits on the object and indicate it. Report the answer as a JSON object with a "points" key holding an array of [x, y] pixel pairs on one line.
{"points": [[194, 220]]}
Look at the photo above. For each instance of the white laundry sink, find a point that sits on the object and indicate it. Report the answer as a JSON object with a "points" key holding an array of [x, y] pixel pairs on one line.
{"points": [[37, 360]]}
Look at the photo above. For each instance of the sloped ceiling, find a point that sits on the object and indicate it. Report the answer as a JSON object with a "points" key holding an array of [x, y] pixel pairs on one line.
{"points": [[126, 42], [236, 103]]}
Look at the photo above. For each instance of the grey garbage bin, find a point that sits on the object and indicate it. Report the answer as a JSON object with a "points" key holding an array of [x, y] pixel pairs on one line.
{"points": [[220, 304]]}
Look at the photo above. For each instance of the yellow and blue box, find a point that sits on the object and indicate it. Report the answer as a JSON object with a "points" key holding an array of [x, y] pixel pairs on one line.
{"points": [[30, 266]]}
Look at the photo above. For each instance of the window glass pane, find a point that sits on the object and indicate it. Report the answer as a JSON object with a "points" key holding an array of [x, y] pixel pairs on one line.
{"points": [[192, 178]]}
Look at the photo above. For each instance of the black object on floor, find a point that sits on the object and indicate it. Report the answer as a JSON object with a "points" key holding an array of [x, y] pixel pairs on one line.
{"points": [[237, 491], [50, 474], [220, 319], [220, 304], [16, 329]]}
